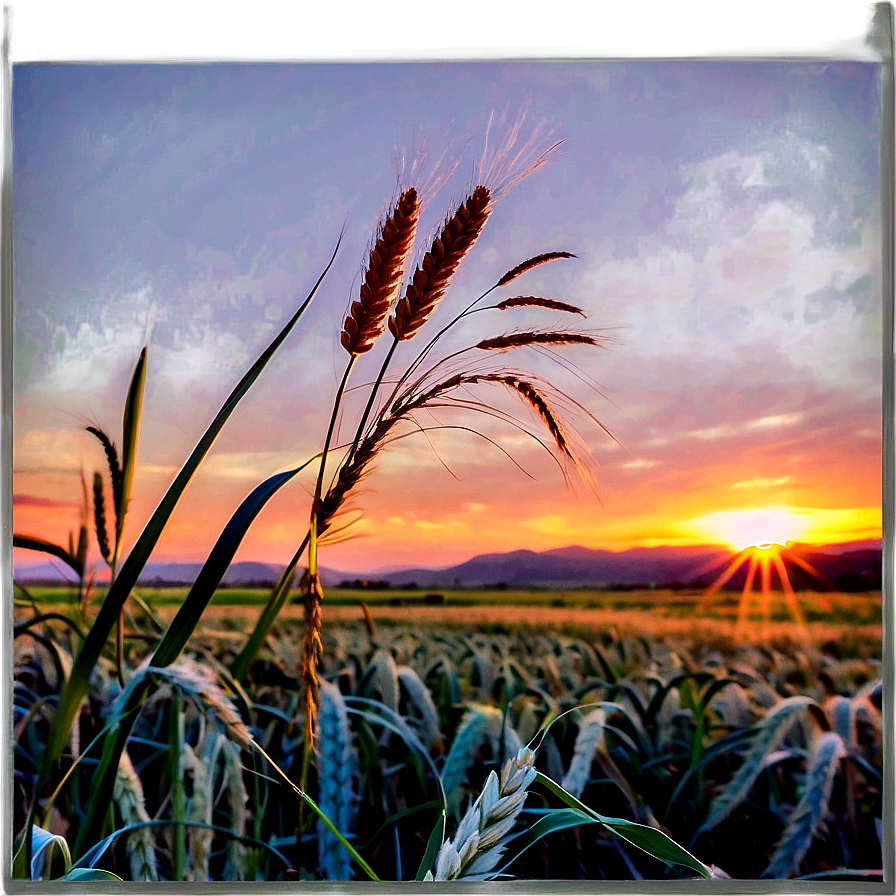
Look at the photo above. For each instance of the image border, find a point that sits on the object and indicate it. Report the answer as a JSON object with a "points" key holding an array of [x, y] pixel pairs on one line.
{"points": [[116, 31]]}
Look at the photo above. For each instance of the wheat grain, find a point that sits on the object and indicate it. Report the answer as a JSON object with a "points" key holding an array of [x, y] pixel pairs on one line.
{"points": [[385, 678], [481, 837], [127, 791], [530, 263], [432, 276], [807, 820], [382, 278], [337, 766]]}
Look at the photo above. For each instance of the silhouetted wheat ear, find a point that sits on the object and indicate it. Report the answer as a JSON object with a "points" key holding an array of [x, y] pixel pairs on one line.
{"points": [[382, 279], [99, 518], [311, 651], [530, 263], [538, 302], [518, 340], [540, 405], [114, 466], [431, 278]]}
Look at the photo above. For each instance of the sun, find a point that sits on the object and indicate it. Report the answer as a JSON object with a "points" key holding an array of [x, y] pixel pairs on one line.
{"points": [[758, 527]]}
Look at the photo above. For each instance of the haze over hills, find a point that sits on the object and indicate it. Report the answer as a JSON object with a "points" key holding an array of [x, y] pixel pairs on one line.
{"points": [[855, 564]]}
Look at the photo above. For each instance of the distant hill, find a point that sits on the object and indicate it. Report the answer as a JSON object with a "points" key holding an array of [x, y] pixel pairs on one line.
{"points": [[843, 566]]}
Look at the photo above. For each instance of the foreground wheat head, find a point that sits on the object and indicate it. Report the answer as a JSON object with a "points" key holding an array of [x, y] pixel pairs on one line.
{"points": [[382, 280], [480, 839]]}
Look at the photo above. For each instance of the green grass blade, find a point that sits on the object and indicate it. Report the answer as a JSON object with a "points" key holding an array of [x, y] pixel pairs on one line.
{"points": [[556, 820], [433, 845], [71, 696], [85, 875], [647, 839], [33, 543], [130, 432]]}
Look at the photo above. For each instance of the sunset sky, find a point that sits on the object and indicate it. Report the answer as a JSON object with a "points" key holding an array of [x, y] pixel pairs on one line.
{"points": [[725, 218]]}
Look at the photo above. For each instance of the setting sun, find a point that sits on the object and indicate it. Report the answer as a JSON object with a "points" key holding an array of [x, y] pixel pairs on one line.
{"points": [[760, 527]]}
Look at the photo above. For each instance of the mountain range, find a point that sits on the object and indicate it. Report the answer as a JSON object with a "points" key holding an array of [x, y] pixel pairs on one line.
{"points": [[844, 566]]}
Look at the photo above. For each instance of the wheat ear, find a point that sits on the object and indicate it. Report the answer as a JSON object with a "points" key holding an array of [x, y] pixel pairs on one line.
{"points": [[197, 684], [807, 820], [337, 766], [199, 809], [530, 263], [238, 800], [481, 837], [382, 279], [509, 341], [431, 278], [538, 302], [420, 697], [311, 652], [770, 732], [589, 740], [115, 473], [127, 792], [99, 518]]}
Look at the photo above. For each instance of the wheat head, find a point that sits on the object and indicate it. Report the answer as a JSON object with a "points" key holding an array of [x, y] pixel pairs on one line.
{"points": [[337, 764], [382, 279], [481, 837], [431, 278], [807, 820], [127, 792]]}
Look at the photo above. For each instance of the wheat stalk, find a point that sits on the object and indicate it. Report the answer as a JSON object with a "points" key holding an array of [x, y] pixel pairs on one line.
{"points": [[382, 278], [127, 791], [807, 820], [431, 278], [481, 837], [530, 263], [337, 765]]}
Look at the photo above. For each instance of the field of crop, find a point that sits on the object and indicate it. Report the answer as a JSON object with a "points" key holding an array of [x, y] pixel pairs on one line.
{"points": [[699, 739]]}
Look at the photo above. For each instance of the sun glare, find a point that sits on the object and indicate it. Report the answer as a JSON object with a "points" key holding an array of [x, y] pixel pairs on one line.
{"points": [[761, 527]]}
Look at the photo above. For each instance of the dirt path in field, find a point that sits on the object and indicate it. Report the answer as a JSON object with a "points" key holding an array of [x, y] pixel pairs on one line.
{"points": [[541, 618]]}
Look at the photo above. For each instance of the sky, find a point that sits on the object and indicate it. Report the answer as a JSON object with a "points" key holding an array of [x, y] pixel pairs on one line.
{"points": [[725, 220]]}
